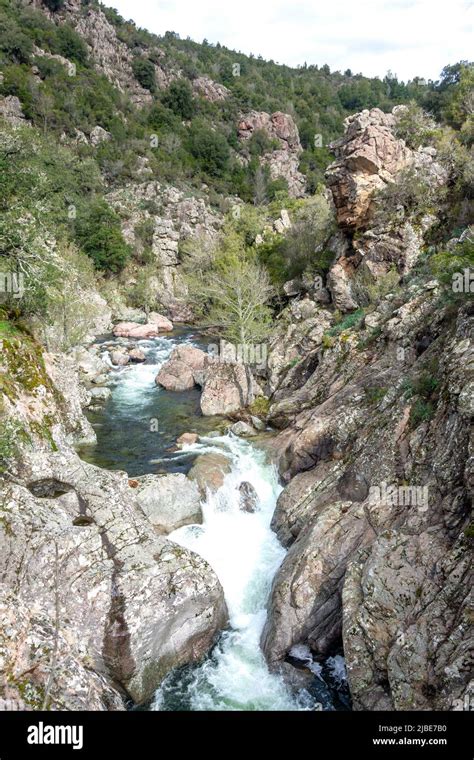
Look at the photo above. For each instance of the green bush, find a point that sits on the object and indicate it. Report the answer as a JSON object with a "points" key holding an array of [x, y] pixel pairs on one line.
{"points": [[70, 44], [144, 72], [99, 234], [209, 148], [414, 126], [179, 99]]}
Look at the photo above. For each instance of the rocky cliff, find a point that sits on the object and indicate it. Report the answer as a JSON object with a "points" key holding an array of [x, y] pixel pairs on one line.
{"points": [[376, 443]]}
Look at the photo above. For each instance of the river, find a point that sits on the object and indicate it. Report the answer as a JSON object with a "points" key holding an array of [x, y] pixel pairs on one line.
{"points": [[136, 431]]}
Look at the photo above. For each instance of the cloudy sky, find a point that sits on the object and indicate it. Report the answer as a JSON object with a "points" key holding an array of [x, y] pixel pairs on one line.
{"points": [[409, 37]]}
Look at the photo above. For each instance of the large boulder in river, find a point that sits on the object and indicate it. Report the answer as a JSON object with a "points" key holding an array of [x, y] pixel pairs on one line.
{"points": [[150, 330], [169, 501], [248, 497], [175, 375], [227, 388], [209, 471], [183, 370]]}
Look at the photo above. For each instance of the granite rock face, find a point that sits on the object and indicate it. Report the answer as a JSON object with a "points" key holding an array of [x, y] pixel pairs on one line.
{"points": [[369, 157], [377, 504], [96, 606], [283, 161]]}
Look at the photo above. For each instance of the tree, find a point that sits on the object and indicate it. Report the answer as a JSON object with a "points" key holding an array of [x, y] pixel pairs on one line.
{"points": [[144, 72], [179, 99], [230, 288], [237, 295], [209, 148], [99, 234]]}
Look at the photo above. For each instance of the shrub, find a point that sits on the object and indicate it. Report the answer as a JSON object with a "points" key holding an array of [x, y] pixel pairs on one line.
{"points": [[13, 43], [99, 234], [179, 99], [70, 44], [414, 194], [144, 72], [421, 411], [348, 322], [209, 148], [414, 126], [368, 290]]}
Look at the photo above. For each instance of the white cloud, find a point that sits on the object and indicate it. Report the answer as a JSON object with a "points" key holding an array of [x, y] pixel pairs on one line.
{"points": [[409, 37]]}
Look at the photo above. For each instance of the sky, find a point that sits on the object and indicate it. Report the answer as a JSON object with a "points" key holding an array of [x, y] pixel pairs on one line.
{"points": [[408, 37]]}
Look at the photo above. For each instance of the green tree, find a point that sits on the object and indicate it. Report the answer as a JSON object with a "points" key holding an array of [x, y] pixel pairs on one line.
{"points": [[144, 72], [209, 148], [99, 234], [179, 99]]}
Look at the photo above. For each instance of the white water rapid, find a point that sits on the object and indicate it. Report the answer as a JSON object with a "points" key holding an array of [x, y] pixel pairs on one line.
{"points": [[245, 555]]}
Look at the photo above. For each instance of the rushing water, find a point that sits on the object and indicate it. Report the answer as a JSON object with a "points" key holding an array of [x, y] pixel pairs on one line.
{"points": [[240, 546]]}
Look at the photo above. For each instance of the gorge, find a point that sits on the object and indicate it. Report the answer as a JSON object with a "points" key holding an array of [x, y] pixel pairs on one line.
{"points": [[236, 459]]}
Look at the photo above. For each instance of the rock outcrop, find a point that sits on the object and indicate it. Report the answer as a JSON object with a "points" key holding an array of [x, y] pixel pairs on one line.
{"points": [[111, 56], [96, 606], [283, 161], [209, 90], [368, 158], [170, 217], [11, 111], [386, 404]]}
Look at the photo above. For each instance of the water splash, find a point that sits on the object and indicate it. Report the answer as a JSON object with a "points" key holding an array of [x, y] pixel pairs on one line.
{"points": [[245, 555]]}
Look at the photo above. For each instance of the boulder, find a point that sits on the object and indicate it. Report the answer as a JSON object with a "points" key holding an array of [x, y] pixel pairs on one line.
{"points": [[149, 330], [209, 471], [243, 429], [187, 439], [163, 323], [119, 358], [175, 375], [184, 369], [100, 394], [227, 388], [99, 135], [169, 501], [132, 604], [248, 497], [90, 365], [137, 355]]}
